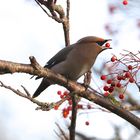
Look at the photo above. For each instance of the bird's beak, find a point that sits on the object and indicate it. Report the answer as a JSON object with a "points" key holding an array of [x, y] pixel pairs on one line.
{"points": [[105, 48], [101, 43], [108, 39]]}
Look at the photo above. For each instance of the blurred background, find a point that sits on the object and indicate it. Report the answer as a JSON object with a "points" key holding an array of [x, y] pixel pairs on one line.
{"points": [[25, 30]]}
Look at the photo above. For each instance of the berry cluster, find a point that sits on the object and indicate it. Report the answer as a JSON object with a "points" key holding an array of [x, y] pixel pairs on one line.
{"points": [[67, 109], [121, 76]]}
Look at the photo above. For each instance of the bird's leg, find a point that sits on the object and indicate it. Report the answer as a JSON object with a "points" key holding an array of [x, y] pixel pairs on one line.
{"points": [[87, 79]]}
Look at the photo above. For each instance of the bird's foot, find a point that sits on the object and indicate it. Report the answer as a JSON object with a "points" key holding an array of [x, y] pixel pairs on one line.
{"points": [[86, 86]]}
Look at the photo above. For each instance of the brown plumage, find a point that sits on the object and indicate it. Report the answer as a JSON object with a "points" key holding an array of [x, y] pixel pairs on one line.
{"points": [[74, 61]]}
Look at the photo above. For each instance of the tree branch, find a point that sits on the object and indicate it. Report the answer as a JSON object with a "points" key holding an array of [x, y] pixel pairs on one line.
{"points": [[27, 96], [35, 69], [57, 13], [73, 118]]}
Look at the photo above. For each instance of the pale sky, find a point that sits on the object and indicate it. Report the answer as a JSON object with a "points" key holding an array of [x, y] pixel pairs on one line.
{"points": [[26, 30]]}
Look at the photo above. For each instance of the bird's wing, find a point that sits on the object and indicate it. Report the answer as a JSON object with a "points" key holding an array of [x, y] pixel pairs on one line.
{"points": [[59, 57]]}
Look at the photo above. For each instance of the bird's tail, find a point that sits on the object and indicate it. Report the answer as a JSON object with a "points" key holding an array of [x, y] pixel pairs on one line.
{"points": [[43, 85]]}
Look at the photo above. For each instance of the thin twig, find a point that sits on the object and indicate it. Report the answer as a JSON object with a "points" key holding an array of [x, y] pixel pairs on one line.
{"points": [[41, 105], [26, 91], [68, 9], [62, 132], [73, 118]]}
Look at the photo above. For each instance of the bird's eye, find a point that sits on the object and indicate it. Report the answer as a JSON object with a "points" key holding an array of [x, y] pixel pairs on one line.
{"points": [[101, 42]]}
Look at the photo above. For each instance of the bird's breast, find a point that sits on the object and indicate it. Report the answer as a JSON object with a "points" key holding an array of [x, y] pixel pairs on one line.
{"points": [[78, 62]]}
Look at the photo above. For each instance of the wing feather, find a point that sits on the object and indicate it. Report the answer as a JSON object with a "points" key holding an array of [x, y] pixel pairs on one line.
{"points": [[58, 58]]}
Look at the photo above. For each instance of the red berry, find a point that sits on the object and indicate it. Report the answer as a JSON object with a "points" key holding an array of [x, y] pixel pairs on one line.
{"points": [[70, 102], [65, 112], [64, 109], [106, 88], [56, 107], [131, 80], [113, 58], [79, 106], [65, 93], [112, 8], [106, 94], [62, 96], [69, 108], [119, 77], [107, 45], [59, 92], [118, 85], [89, 106], [107, 27], [65, 115], [138, 23], [130, 67], [87, 123], [109, 81], [127, 74], [123, 77], [111, 89], [121, 96], [125, 2], [103, 77]]}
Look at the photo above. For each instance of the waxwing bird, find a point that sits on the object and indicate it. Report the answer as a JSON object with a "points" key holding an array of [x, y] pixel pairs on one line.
{"points": [[74, 61]]}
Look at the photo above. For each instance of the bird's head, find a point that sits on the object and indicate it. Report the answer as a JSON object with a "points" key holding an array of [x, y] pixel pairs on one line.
{"points": [[93, 39]]}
